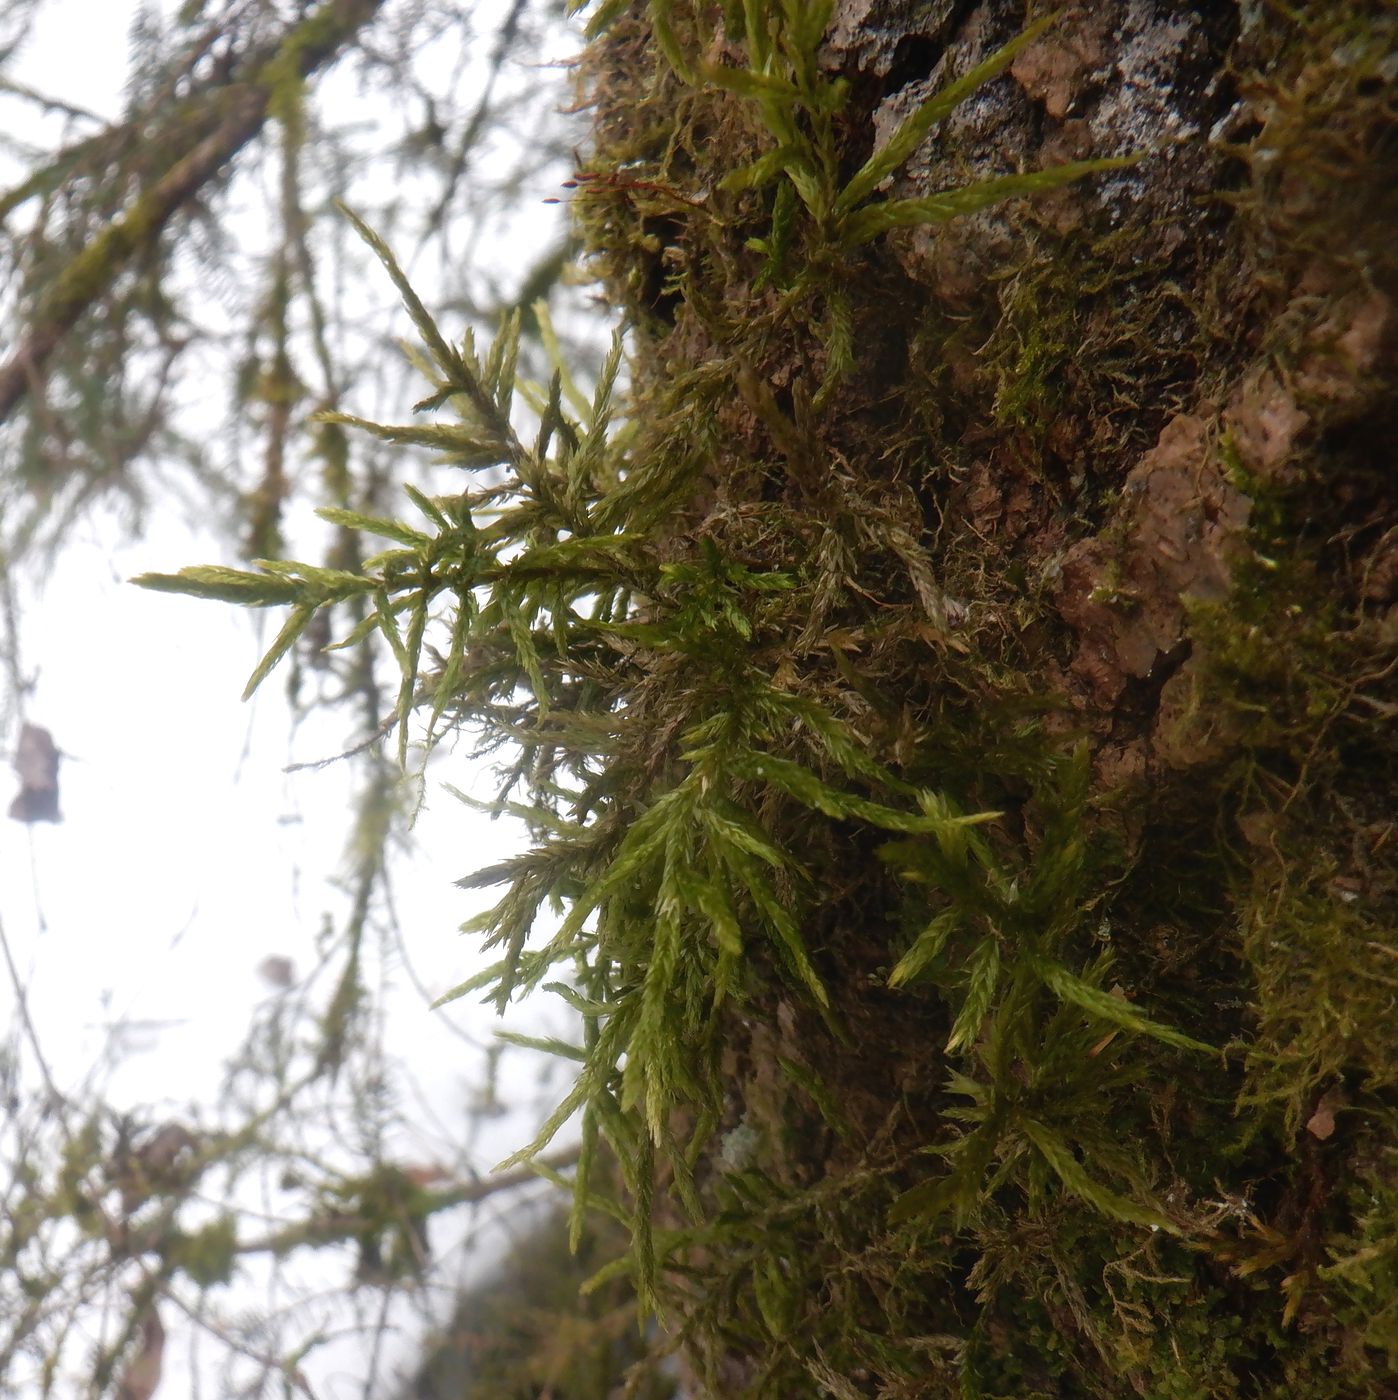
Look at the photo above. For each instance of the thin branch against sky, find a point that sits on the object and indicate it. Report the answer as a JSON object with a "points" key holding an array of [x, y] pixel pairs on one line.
{"points": [[164, 841]]}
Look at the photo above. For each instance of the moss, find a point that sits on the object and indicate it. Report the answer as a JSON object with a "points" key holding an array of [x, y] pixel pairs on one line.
{"points": [[1061, 376], [953, 728], [207, 1256]]}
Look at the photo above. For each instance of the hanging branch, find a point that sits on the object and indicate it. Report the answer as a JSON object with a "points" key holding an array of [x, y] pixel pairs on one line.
{"points": [[309, 46]]}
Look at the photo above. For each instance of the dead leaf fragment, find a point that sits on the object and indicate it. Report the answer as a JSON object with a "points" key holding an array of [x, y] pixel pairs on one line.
{"points": [[36, 763], [1321, 1123], [277, 971], [1173, 537], [1265, 424]]}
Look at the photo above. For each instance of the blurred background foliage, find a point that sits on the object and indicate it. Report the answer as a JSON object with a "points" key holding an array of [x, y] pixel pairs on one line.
{"points": [[180, 294]]}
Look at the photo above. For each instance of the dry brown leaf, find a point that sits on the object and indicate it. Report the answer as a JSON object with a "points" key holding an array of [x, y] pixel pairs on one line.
{"points": [[1321, 1123], [277, 971], [36, 763]]}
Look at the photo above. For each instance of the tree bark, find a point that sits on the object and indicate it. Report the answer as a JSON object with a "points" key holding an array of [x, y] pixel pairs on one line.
{"points": [[1111, 474]]}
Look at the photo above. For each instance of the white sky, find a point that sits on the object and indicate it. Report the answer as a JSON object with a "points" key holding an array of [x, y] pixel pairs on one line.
{"points": [[186, 855]]}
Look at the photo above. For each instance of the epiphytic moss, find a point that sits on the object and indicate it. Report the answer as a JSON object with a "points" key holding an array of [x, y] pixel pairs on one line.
{"points": [[954, 709]]}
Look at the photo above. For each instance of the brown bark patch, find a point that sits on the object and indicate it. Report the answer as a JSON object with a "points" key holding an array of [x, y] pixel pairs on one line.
{"points": [[1345, 347], [1056, 69], [1269, 413], [1189, 728], [1171, 539], [1264, 423]]}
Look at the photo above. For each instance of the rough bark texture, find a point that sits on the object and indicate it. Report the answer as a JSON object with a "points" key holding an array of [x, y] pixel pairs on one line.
{"points": [[1114, 465]]}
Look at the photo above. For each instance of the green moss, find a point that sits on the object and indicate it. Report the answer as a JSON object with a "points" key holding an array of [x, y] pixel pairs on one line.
{"points": [[207, 1256], [961, 1026], [1235, 948]]}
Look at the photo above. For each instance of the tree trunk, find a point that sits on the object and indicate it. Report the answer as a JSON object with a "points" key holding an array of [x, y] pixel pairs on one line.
{"points": [[1096, 533]]}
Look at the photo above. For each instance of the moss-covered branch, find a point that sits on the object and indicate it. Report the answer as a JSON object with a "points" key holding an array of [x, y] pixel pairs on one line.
{"points": [[242, 108]]}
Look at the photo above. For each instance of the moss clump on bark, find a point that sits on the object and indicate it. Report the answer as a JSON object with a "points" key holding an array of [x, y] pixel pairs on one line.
{"points": [[1095, 476], [954, 712]]}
